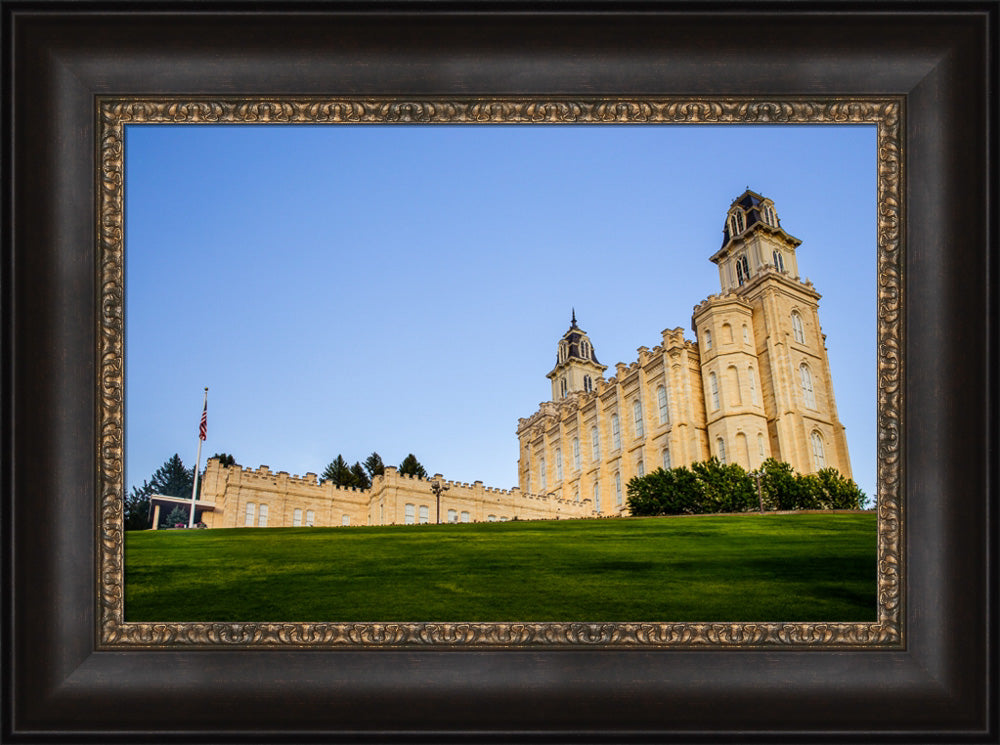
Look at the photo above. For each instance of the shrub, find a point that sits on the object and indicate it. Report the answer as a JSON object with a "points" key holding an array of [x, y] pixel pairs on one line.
{"points": [[724, 487], [671, 492]]}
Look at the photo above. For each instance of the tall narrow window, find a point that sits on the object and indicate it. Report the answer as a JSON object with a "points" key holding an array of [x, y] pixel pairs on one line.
{"points": [[752, 382], [746, 334], [708, 339], [666, 459], [452, 516], [585, 349], [797, 331], [779, 261], [588, 384], [637, 418], [819, 453], [618, 489], [727, 334], [345, 520], [409, 515], [595, 444], [734, 383], [616, 434], [807, 386], [541, 472], [465, 517], [576, 453], [663, 403], [760, 445], [746, 265], [576, 494], [424, 514], [563, 387], [262, 516], [640, 468], [720, 446], [310, 518], [713, 386], [296, 518], [251, 513], [559, 473], [597, 497], [563, 351], [740, 278]]}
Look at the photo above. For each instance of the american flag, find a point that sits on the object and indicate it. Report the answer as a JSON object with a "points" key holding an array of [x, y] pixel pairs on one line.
{"points": [[203, 427]]}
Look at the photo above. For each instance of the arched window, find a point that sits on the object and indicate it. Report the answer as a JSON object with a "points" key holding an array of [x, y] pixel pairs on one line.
{"points": [[720, 446], [637, 418], [424, 514], [585, 349], [595, 444], [576, 453], [409, 516], [736, 223], [752, 381], [742, 269], [541, 472], [797, 331], [735, 396], [640, 468], [296, 517], [807, 386], [770, 217], [727, 333], [760, 445], [597, 497], [664, 404], [588, 384], [616, 433], [563, 351], [618, 489], [708, 339], [251, 513], [666, 459], [563, 387], [559, 474], [779, 261], [819, 452], [746, 334], [576, 494], [465, 517], [491, 518], [713, 385]]}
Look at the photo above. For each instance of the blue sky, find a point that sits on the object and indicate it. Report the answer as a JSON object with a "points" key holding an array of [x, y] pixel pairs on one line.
{"points": [[358, 288]]}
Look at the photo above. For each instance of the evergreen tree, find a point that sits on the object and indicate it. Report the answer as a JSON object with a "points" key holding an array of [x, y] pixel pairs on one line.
{"points": [[338, 472], [178, 516], [374, 465], [360, 477], [171, 479], [225, 459], [411, 467], [136, 509]]}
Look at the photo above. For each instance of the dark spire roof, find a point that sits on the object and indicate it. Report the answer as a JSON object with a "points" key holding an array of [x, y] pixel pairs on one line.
{"points": [[573, 337], [573, 322], [751, 203]]}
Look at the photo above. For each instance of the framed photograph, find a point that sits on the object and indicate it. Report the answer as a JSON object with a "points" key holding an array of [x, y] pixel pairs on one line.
{"points": [[916, 81]]}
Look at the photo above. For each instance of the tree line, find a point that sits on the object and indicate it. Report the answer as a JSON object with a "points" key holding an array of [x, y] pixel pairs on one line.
{"points": [[173, 479], [713, 487]]}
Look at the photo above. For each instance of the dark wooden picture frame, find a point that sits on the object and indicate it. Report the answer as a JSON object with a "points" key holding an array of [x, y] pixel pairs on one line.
{"points": [[61, 685]]}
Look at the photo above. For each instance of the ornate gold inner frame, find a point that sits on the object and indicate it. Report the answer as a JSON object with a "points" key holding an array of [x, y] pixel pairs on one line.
{"points": [[115, 113]]}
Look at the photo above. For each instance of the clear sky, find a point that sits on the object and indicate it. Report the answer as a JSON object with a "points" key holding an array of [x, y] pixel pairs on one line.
{"points": [[400, 288]]}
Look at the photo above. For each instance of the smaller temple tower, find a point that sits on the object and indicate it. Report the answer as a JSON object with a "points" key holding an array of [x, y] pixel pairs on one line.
{"points": [[577, 367]]}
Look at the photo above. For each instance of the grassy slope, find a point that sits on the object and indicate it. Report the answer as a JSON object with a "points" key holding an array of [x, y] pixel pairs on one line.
{"points": [[745, 568]]}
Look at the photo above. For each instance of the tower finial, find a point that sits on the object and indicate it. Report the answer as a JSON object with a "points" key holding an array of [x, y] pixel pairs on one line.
{"points": [[574, 318]]}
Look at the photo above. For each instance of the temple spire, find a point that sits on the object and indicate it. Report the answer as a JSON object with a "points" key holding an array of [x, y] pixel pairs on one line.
{"points": [[573, 322]]}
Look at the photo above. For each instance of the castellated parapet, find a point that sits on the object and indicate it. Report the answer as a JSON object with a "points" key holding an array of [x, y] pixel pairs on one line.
{"points": [[248, 497]]}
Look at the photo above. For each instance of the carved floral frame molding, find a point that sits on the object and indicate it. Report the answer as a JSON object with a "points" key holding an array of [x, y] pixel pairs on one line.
{"points": [[113, 114]]}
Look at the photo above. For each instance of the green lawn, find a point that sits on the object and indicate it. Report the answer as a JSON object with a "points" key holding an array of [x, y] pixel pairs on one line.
{"points": [[810, 567]]}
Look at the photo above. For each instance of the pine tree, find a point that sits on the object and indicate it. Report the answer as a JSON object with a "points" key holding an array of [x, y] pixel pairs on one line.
{"points": [[338, 472], [411, 467], [374, 465], [171, 479], [361, 480], [225, 459]]}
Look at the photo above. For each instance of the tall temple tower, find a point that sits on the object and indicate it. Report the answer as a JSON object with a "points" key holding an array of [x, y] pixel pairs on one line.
{"points": [[763, 352], [576, 363]]}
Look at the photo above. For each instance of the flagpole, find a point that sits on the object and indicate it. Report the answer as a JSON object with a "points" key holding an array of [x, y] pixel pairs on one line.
{"points": [[202, 429]]}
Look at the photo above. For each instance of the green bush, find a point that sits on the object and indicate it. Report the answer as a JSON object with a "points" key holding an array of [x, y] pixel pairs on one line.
{"points": [[713, 487]]}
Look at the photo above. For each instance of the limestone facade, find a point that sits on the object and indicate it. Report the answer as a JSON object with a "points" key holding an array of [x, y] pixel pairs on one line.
{"points": [[245, 497], [755, 384]]}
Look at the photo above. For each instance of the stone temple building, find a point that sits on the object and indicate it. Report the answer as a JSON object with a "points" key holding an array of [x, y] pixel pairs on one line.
{"points": [[756, 384]]}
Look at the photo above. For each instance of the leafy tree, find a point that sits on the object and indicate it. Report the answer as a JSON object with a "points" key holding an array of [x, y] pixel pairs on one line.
{"points": [[411, 467], [675, 491], [225, 459], [837, 492], [360, 477], [779, 485], [374, 465], [338, 472]]}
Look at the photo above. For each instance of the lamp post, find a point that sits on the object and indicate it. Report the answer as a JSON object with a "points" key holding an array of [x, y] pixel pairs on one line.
{"points": [[437, 487]]}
